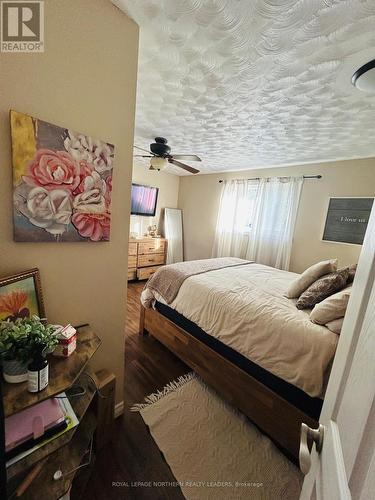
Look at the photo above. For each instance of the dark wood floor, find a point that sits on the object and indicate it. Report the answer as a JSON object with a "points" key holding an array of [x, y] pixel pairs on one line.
{"points": [[133, 456]]}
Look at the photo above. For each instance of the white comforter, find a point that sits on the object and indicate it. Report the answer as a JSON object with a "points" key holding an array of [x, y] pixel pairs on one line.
{"points": [[244, 308]]}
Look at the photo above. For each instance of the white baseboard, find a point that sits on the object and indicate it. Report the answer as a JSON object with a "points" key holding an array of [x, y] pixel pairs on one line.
{"points": [[119, 409]]}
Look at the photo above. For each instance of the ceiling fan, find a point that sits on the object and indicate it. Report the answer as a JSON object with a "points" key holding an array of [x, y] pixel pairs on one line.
{"points": [[160, 154]]}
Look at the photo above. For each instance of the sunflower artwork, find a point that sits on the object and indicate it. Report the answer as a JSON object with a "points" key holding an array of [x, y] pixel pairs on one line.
{"points": [[62, 183]]}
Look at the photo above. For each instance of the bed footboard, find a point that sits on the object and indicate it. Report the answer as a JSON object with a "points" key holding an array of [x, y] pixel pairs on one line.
{"points": [[142, 330], [277, 418]]}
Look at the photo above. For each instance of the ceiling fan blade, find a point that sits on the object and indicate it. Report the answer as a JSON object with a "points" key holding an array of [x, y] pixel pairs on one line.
{"points": [[182, 165], [146, 151], [187, 157]]}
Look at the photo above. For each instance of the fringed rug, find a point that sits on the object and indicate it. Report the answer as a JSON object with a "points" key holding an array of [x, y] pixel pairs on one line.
{"points": [[214, 452]]}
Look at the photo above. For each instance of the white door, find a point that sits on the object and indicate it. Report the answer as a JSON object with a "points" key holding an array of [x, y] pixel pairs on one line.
{"points": [[345, 467]]}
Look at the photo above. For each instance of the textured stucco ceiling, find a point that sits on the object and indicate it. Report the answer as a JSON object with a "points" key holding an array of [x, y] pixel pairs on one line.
{"points": [[252, 83]]}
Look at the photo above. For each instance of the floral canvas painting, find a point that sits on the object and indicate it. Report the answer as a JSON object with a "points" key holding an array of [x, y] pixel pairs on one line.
{"points": [[62, 183]]}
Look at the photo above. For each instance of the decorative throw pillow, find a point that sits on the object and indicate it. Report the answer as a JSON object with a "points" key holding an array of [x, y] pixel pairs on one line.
{"points": [[352, 271], [310, 275], [322, 288], [332, 307], [335, 325]]}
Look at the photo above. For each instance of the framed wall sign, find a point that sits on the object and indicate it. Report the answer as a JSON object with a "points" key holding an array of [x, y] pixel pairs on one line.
{"points": [[347, 220]]}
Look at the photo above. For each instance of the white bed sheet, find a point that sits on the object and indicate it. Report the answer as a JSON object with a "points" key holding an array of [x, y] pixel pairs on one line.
{"points": [[244, 308]]}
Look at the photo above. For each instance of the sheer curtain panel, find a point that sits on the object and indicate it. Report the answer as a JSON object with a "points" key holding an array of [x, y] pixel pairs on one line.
{"points": [[233, 221], [257, 218]]}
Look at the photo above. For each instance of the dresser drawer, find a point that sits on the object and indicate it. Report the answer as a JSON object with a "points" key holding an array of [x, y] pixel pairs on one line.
{"points": [[132, 274], [152, 246], [150, 260], [132, 261], [145, 272], [132, 248]]}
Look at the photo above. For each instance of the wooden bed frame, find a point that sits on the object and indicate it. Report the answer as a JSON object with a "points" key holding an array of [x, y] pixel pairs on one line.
{"points": [[275, 416]]}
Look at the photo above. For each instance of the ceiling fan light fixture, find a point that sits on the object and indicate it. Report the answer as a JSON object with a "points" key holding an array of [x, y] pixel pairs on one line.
{"points": [[364, 78], [161, 157], [158, 163]]}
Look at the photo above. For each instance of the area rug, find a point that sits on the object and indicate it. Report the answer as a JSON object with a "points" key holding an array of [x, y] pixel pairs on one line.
{"points": [[213, 450]]}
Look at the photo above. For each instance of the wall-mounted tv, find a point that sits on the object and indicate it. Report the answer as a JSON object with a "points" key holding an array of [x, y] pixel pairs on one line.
{"points": [[144, 199]]}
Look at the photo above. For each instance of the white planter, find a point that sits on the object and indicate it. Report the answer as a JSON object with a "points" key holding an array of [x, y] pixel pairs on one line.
{"points": [[14, 372]]}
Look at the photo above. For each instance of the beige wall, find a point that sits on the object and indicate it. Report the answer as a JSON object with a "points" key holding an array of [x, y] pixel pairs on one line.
{"points": [[199, 199], [85, 80], [168, 185]]}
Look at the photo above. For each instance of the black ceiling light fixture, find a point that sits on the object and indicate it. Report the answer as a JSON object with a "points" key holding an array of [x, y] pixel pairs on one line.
{"points": [[160, 154], [364, 77]]}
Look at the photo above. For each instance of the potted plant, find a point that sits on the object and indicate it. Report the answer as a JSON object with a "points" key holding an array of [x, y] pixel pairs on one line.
{"points": [[14, 350], [25, 343]]}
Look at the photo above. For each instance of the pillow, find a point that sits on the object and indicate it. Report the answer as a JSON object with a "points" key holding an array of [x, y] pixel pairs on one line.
{"points": [[310, 275], [331, 308], [352, 271], [322, 288], [335, 325]]}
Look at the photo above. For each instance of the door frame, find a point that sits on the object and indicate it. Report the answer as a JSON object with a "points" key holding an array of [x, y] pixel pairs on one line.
{"points": [[363, 287]]}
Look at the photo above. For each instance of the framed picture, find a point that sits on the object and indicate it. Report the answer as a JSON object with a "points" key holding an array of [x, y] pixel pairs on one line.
{"points": [[62, 183], [21, 296], [347, 220]]}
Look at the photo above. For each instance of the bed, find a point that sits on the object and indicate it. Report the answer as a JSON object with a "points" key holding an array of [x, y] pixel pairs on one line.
{"points": [[235, 328]]}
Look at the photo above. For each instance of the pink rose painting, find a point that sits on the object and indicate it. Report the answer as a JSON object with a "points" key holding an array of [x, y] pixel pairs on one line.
{"points": [[62, 183]]}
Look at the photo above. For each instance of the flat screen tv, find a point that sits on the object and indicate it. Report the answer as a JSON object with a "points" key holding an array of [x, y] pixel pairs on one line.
{"points": [[144, 199]]}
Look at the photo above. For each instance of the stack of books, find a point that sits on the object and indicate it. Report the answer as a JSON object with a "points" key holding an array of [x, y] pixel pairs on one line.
{"points": [[32, 428]]}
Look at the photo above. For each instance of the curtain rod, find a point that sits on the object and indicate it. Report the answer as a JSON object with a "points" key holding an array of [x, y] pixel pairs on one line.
{"points": [[282, 177]]}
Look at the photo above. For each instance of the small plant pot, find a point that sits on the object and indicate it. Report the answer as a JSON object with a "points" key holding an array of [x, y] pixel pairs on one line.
{"points": [[14, 371]]}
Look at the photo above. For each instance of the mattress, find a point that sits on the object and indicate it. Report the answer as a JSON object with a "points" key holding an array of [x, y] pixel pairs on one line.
{"points": [[244, 307], [297, 397]]}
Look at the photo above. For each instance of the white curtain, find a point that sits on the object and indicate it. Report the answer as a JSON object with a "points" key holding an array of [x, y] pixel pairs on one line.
{"points": [[236, 207], [256, 220]]}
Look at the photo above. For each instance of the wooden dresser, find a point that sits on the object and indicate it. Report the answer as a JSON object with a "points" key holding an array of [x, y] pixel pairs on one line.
{"points": [[145, 256]]}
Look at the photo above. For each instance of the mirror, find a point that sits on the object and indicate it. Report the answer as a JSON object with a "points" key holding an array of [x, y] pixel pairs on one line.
{"points": [[173, 234]]}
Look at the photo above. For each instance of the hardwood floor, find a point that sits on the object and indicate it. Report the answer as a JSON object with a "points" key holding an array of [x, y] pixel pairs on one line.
{"points": [[133, 455]]}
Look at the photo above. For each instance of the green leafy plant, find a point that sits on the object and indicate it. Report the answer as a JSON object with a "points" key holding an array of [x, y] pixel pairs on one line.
{"points": [[25, 338], [13, 341], [42, 339]]}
